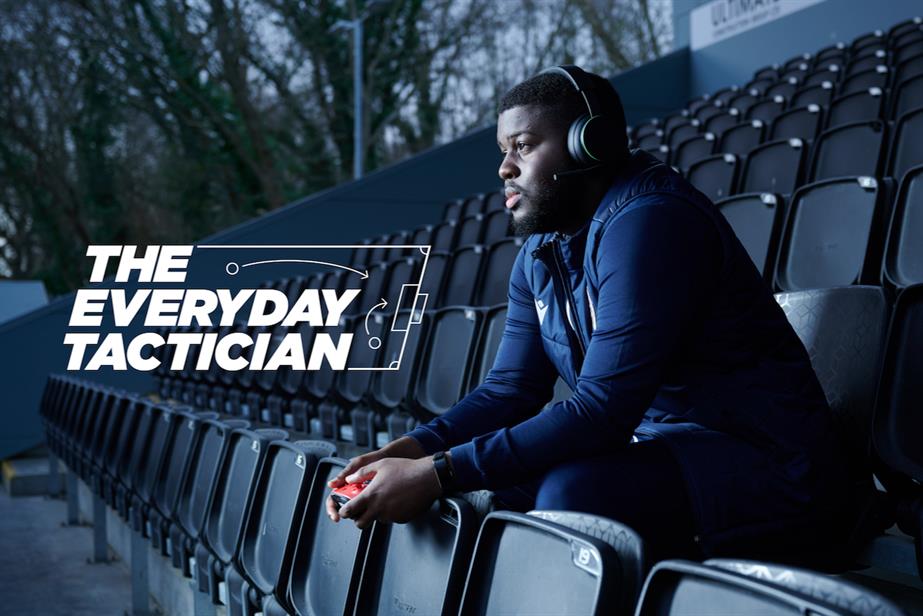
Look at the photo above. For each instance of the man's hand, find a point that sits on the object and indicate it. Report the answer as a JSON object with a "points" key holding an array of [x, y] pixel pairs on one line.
{"points": [[404, 447], [400, 490]]}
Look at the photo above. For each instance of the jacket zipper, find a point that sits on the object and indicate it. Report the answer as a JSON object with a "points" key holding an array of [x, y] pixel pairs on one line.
{"points": [[561, 280]]}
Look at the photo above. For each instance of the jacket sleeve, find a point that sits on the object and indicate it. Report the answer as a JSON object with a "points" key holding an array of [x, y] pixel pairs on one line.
{"points": [[520, 382], [656, 265]]}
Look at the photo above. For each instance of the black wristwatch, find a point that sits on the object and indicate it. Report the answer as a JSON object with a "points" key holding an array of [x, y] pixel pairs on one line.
{"points": [[444, 472]]}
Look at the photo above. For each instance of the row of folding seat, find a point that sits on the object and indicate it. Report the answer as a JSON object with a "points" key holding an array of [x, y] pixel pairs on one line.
{"points": [[835, 232], [868, 65], [870, 147], [206, 490]]}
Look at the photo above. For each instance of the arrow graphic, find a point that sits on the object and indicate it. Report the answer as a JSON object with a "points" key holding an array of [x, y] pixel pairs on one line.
{"points": [[362, 275], [383, 304]]}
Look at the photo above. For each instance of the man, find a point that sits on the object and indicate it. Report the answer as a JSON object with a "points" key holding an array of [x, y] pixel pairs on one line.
{"points": [[695, 418]]}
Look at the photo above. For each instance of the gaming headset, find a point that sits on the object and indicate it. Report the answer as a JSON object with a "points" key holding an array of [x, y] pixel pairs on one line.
{"points": [[592, 138]]}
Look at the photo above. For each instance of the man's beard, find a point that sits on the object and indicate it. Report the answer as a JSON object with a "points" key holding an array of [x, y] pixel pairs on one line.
{"points": [[542, 210]]}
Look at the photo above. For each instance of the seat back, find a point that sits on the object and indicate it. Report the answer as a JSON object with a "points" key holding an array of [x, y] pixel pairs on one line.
{"points": [[325, 575], [401, 350], [832, 235], [903, 262], [841, 595], [843, 330], [268, 541], [234, 483], [462, 276], [489, 343], [907, 148], [898, 421], [862, 106], [799, 123], [680, 588], [715, 176], [774, 167], [196, 488], [178, 458], [553, 563], [756, 219], [446, 359], [493, 287], [850, 150], [420, 566]]}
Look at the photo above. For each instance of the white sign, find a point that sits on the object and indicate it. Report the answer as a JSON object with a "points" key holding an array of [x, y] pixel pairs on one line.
{"points": [[721, 19]]}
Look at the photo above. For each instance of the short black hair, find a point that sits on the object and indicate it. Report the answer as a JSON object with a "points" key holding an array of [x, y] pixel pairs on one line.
{"points": [[554, 92]]}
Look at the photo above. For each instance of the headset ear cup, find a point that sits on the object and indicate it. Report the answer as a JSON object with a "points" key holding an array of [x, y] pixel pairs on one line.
{"points": [[596, 139], [575, 141]]}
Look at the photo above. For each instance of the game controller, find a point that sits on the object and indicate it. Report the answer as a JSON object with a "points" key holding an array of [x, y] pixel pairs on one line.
{"points": [[344, 494]]}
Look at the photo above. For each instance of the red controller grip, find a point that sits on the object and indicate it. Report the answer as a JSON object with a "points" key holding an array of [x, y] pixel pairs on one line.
{"points": [[344, 494]]}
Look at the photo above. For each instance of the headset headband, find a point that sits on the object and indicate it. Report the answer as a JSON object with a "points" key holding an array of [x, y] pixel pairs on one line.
{"points": [[579, 80]]}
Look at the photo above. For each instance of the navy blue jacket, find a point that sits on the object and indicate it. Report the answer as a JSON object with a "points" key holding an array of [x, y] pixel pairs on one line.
{"points": [[658, 320]]}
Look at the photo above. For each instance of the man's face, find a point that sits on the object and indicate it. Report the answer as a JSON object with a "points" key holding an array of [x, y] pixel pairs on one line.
{"points": [[533, 148]]}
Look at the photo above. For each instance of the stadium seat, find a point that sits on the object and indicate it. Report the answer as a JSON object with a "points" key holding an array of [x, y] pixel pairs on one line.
{"points": [[911, 67], [717, 124], [493, 287], [178, 461], [878, 77], [267, 545], [693, 149], [903, 262], [767, 109], [850, 150], [816, 94], [843, 330], [432, 277], [495, 202], [897, 419], [681, 132], [442, 238], [833, 235], [228, 504], [776, 167], [489, 342], [869, 61], [756, 219], [715, 176], [452, 210], [472, 206], [784, 89], [857, 107], [553, 563], [496, 226], [470, 229], [446, 359], [744, 100], [325, 574], [679, 588], [908, 95], [907, 146], [742, 138], [195, 491], [419, 567], [462, 275], [799, 123]]}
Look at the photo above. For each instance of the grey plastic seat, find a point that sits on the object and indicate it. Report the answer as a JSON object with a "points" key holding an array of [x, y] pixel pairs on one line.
{"points": [[496, 226], [907, 147], [421, 565], [862, 106], [228, 506], [742, 138], [756, 219], [493, 287], [799, 123], [446, 359], [325, 574], [489, 343], [715, 176], [843, 330], [680, 588], [850, 150], [553, 562], [267, 547], [196, 488], [462, 275], [774, 167], [833, 235], [903, 261]]}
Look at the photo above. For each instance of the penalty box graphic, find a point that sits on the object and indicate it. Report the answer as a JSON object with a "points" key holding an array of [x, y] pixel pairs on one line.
{"points": [[325, 312]]}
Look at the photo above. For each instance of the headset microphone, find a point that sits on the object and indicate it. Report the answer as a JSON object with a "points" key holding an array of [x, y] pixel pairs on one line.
{"points": [[561, 174]]}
